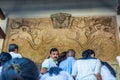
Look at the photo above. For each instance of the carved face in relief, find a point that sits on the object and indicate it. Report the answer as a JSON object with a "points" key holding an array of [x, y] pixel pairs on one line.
{"points": [[60, 18]]}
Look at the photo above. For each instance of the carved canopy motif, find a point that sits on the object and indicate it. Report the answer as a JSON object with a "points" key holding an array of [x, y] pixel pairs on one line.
{"points": [[36, 36], [61, 20]]}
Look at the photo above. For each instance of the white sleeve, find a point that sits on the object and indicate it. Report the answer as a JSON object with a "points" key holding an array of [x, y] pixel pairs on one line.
{"points": [[45, 63], [74, 70], [98, 66]]}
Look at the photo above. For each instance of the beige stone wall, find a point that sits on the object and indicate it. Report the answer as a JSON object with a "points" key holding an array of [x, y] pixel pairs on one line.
{"points": [[36, 36], [31, 42]]}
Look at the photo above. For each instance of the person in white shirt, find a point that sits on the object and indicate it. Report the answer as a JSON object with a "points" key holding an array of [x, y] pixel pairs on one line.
{"points": [[13, 51], [51, 61], [56, 73], [87, 67], [107, 72]]}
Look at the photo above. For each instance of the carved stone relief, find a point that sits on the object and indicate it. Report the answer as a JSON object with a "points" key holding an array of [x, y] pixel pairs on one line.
{"points": [[36, 36], [61, 20]]}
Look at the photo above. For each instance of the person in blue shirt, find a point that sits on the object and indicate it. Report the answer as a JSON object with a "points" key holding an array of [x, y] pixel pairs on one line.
{"points": [[66, 65]]}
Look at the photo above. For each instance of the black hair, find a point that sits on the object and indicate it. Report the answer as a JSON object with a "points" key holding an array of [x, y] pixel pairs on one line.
{"points": [[12, 47], [4, 57], [54, 70], [62, 57], [71, 52], [53, 49], [112, 71], [87, 53], [20, 69]]}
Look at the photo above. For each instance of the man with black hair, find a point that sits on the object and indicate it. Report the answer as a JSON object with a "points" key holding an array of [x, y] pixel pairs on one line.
{"points": [[51, 61], [13, 51]]}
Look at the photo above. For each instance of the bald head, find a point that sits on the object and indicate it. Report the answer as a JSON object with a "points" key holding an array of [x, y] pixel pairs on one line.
{"points": [[71, 53]]}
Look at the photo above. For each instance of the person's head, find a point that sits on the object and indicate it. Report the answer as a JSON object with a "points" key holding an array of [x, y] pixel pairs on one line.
{"points": [[13, 48], [4, 57], [20, 69], [89, 53], [62, 56], [71, 53], [54, 71], [54, 53]]}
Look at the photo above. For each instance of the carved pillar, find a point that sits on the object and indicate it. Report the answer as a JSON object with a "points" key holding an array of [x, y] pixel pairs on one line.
{"points": [[2, 16], [2, 34]]}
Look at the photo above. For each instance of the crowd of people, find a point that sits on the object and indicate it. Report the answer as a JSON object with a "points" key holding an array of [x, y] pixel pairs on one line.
{"points": [[58, 66]]}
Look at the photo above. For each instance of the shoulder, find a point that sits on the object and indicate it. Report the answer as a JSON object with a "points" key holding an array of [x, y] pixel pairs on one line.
{"points": [[118, 58], [11, 53], [46, 60], [46, 75], [71, 58], [95, 59], [19, 54]]}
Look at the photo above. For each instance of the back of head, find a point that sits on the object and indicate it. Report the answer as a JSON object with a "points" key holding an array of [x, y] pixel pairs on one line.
{"points": [[71, 53], [4, 57], [12, 47], [87, 53], [54, 71], [20, 69], [62, 56], [53, 50]]}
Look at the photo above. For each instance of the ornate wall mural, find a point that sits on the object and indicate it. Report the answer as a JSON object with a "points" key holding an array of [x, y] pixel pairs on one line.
{"points": [[36, 36]]}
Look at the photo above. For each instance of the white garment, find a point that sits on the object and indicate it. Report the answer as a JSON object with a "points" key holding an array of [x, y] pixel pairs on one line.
{"points": [[48, 63], [15, 55], [62, 76], [86, 69], [1, 69], [105, 74], [118, 59]]}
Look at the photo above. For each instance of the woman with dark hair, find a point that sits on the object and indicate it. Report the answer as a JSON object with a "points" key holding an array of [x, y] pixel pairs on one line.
{"points": [[56, 73], [87, 67], [107, 72], [20, 69]]}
